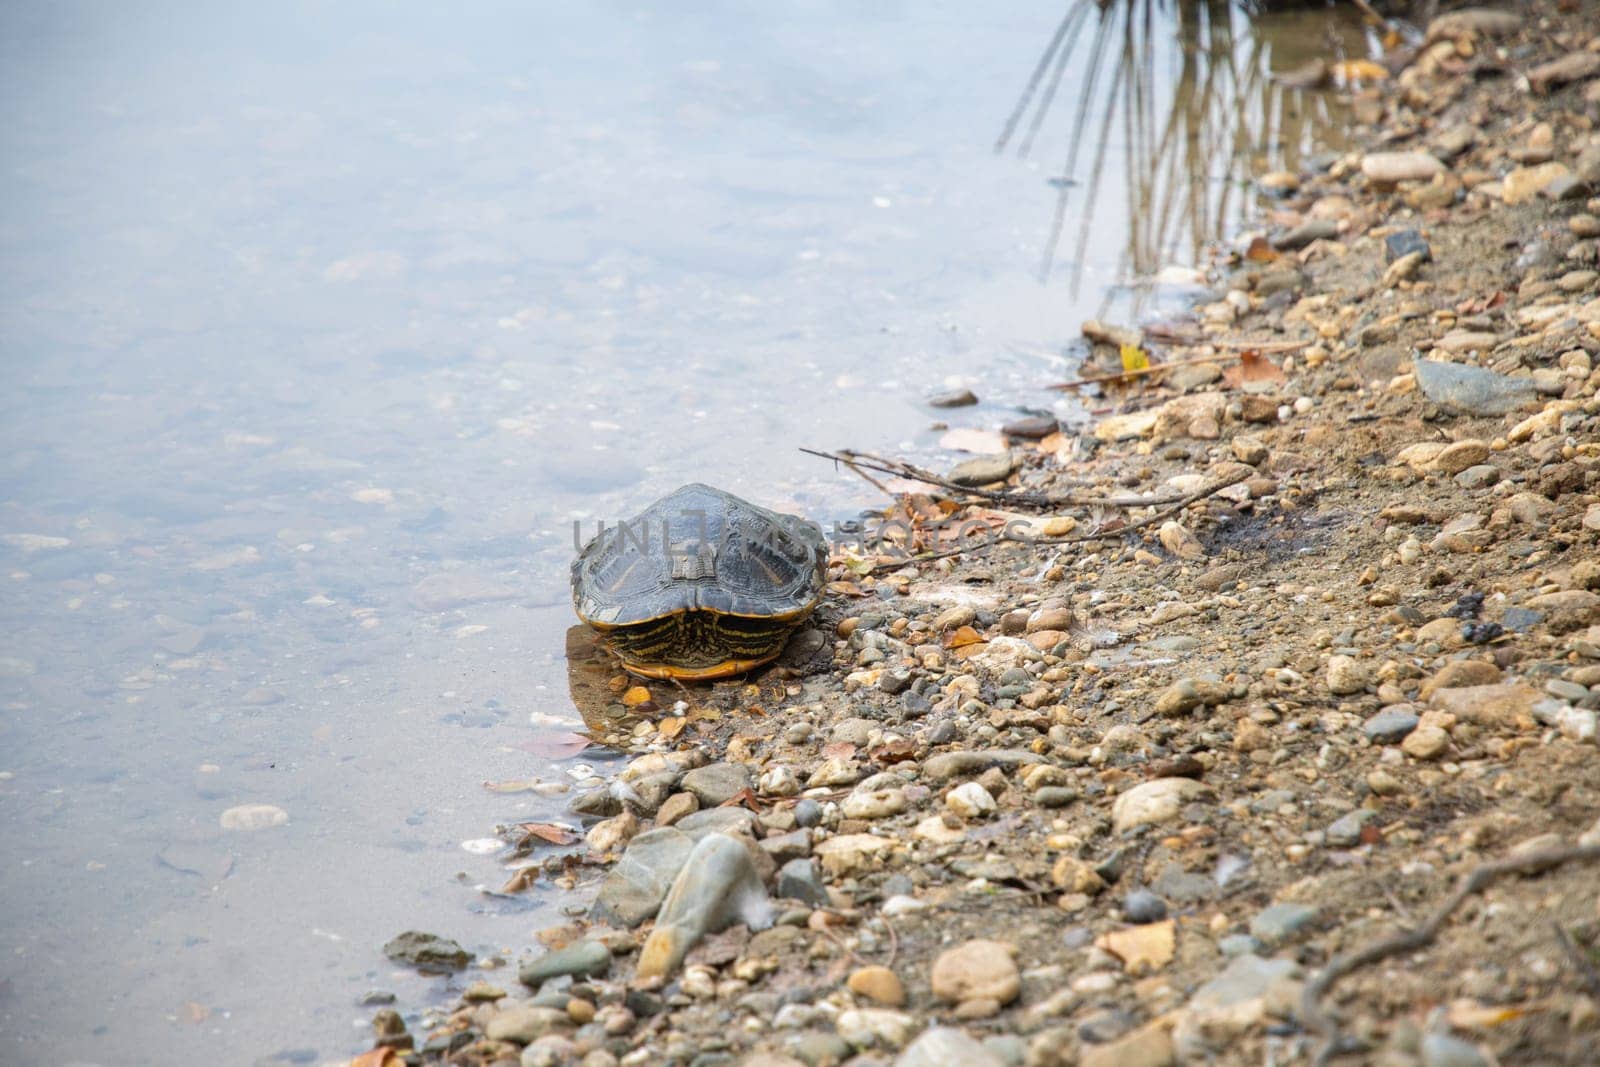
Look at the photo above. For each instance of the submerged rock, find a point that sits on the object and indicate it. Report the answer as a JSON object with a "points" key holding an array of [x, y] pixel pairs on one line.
{"points": [[427, 952], [583, 958], [716, 888]]}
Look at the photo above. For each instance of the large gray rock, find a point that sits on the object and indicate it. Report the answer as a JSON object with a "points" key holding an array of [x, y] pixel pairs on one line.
{"points": [[637, 885], [717, 783], [716, 888], [1471, 390]]}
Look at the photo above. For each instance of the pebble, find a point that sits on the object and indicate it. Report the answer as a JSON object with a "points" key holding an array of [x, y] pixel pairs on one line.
{"points": [[525, 1024], [1156, 801], [970, 801], [878, 984], [799, 879], [1390, 725], [1523, 184], [1280, 922], [427, 952], [1143, 906], [1347, 675], [1345, 832], [955, 398], [983, 470], [717, 783], [1425, 743], [944, 1046], [247, 818], [875, 1028], [1186, 694], [874, 804], [583, 958], [1393, 167], [977, 970]]}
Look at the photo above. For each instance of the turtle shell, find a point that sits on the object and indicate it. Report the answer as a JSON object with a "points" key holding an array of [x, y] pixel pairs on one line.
{"points": [[700, 583]]}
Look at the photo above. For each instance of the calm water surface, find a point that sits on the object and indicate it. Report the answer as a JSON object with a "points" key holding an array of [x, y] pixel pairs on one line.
{"points": [[320, 327]]}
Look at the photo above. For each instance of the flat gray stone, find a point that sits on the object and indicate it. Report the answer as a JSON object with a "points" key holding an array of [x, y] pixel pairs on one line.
{"points": [[801, 880], [1280, 922], [1390, 727], [719, 821], [716, 783], [1472, 390], [583, 958], [1345, 831], [946, 765], [981, 470], [637, 885], [1246, 978]]}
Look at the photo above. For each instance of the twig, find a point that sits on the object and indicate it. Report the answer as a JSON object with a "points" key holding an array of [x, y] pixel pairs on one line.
{"points": [[1093, 535], [1012, 498], [1366, 9], [1311, 1013], [894, 941], [1153, 368], [1580, 962]]}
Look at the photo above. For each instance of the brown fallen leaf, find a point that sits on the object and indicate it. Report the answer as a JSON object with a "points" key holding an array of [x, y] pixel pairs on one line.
{"points": [[745, 798], [382, 1056], [1142, 949], [193, 1012], [960, 638], [1260, 251], [1252, 367], [671, 726], [559, 745], [1352, 71], [515, 785], [522, 881], [545, 831]]}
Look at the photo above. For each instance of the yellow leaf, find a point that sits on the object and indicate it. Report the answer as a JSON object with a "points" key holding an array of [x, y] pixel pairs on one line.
{"points": [[671, 727], [1358, 70], [1134, 358], [635, 696]]}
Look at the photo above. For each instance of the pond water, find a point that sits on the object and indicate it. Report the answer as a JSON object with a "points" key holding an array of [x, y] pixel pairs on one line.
{"points": [[322, 325]]}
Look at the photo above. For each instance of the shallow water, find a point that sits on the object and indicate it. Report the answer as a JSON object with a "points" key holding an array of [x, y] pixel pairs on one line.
{"points": [[319, 330]]}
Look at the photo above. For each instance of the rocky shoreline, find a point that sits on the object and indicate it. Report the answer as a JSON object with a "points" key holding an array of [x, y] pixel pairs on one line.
{"points": [[1124, 799]]}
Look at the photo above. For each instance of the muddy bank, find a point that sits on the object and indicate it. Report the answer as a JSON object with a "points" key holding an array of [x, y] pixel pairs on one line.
{"points": [[1136, 796]]}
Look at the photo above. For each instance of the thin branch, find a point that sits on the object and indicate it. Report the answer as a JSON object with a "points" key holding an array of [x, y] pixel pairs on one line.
{"points": [[1010, 497], [1093, 535], [1311, 1013]]}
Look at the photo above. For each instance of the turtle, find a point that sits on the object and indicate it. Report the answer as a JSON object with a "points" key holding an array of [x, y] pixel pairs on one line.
{"points": [[700, 585]]}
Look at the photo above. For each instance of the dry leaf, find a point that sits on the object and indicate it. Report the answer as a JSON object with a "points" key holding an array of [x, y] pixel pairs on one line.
{"points": [[745, 798], [1470, 1015], [522, 881], [191, 1012], [851, 589], [561, 745], [515, 785], [1260, 251], [1134, 358], [382, 1056], [1350, 71], [635, 696], [895, 752], [671, 727], [1142, 949], [838, 750], [545, 831], [1252, 367], [962, 637]]}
